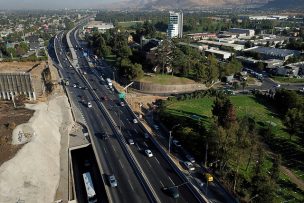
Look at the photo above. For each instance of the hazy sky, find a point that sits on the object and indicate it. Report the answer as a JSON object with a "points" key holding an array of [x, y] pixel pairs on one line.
{"points": [[52, 4]]}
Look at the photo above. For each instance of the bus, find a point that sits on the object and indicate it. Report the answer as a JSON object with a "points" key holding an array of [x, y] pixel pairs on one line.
{"points": [[91, 195], [109, 82]]}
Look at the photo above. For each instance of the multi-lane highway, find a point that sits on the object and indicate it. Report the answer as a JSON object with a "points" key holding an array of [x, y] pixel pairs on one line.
{"points": [[108, 152], [157, 169]]}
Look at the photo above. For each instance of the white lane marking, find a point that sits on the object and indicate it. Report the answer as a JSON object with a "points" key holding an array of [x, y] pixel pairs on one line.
{"points": [[135, 130], [138, 147], [170, 180], [145, 144], [114, 149], [131, 185], [104, 149], [149, 164], [120, 163], [162, 183], [157, 160]]}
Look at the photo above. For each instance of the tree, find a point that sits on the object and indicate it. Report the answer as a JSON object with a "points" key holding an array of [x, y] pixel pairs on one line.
{"points": [[199, 71], [224, 111], [164, 55], [275, 169], [212, 69], [136, 72], [244, 84], [294, 121]]}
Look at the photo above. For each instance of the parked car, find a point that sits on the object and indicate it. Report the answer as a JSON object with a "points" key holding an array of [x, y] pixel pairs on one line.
{"points": [[112, 181], [89, 104], [148, 153], [122, 104], [189, 165], [135, 120]]}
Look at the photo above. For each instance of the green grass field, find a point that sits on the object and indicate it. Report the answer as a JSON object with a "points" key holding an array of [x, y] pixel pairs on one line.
{"points": [[128, 24], [165, 79], [288, 80]]}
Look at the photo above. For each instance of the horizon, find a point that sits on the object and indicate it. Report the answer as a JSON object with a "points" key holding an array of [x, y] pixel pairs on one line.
{"points": [[53, 5]]}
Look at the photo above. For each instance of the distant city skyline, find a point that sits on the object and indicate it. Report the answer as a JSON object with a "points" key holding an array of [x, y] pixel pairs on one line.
{"points": [[52, 4]]}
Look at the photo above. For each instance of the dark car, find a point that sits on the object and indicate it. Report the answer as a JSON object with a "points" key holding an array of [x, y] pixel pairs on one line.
{"points": [[171, 191]]}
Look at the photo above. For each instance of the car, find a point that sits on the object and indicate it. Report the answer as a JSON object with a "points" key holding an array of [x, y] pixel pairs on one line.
{"points": [[80, 87], [87, 163], [105, 136], [89, 104], [135, 120], [74, 85], [190, 158], [189, 165], [208, 177], [85, 88], [122, 104], [104, 98], [156, 127], [146, 135], [112, 181], [171, 191], [176, 143], [148, 153], [277, 86], [130, 141]]}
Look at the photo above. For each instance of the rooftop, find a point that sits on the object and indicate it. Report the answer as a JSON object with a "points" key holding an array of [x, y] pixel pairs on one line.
{"points": [[273, 51]]}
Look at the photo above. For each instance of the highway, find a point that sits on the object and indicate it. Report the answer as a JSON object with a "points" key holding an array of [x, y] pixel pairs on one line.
{"points": [[157, 169], [108, 152]]}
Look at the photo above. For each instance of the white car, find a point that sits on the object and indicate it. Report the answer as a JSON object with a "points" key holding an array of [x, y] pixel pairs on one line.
{"points": [[176, 143], [189, 165], [130, 141], [89, 104], [135, 120], [74, 85], [148, 153]]}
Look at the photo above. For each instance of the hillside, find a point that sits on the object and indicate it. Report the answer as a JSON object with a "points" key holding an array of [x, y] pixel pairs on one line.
{"points": [[283, 4]]}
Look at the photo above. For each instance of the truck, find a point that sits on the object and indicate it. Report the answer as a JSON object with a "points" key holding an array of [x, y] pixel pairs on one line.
{"points": [[91, 195]]}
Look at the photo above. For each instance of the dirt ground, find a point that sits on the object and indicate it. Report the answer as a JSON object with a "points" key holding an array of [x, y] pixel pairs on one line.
{"points": [[138, 101], [35, 68], [9, 119]]}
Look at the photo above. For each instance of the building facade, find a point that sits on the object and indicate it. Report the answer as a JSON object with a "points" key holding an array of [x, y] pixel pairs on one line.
{"points": [[175, 26]]}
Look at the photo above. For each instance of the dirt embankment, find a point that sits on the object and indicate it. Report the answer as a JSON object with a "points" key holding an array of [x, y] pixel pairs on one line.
{"points": [[9, 119]]}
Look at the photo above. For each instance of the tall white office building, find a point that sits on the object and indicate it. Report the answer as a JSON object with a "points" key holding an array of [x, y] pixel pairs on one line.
{"points": [[175, 27]]}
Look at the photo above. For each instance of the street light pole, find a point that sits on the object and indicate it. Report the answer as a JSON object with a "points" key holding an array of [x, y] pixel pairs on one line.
{"points": [[255, 196], [170, 136]]}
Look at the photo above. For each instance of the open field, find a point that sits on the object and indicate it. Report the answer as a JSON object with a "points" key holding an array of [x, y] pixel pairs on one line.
{"points": [[165, 79], [129, 23], [288, 80], [291, 150]]}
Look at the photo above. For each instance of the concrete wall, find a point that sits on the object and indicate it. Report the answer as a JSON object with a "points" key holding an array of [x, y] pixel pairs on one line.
{"points": [[157, 89], [12, 84]]}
